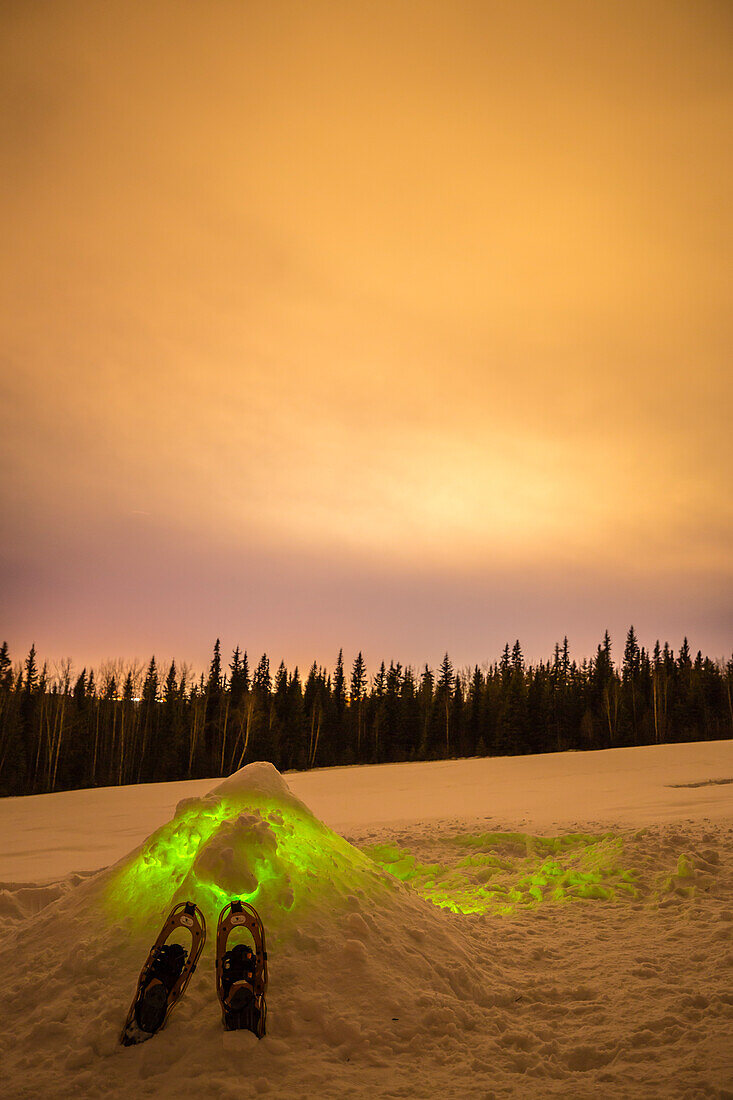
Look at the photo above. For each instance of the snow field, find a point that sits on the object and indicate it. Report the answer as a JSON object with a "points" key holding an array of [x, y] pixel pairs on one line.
{"points": [[376, 991]]}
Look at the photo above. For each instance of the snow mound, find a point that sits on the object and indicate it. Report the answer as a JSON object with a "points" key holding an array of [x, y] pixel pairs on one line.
{"points": [[377, 987], [249, 838], [262, 777]]}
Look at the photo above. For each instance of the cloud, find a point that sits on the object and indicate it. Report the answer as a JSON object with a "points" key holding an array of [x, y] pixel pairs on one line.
{"points": [[442, 290]]}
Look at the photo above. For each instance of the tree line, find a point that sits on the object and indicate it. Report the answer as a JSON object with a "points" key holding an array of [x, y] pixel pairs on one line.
{"points": [[135, 723]]}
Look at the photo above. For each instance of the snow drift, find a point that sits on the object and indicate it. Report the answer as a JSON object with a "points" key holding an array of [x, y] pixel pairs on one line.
{"points": [[250, 838], [353, 951], [392, 973]]}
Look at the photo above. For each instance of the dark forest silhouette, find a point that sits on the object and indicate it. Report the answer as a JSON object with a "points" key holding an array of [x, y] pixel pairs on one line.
{"points": [[136, 724]]}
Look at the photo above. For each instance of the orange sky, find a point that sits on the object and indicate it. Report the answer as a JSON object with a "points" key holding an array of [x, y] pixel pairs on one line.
{"points": [[392, 326]]}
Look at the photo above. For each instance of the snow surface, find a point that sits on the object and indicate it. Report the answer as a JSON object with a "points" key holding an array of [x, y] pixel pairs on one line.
{"points": [[624, 988], [50, 835]]}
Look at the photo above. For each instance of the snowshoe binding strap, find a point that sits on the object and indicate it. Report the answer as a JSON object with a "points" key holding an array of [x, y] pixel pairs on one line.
{"points": [[163, 972], [241, 973], [165, 975]]}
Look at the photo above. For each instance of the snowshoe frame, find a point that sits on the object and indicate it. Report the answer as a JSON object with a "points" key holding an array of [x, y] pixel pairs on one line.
{"points": [[185, 915], [240, 914]]}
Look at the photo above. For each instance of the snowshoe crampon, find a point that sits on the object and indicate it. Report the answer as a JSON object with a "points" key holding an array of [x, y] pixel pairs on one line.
{"points": [[165, 975], [241, 972]]}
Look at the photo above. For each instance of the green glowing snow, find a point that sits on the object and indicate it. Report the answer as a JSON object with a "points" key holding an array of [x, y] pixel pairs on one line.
{"points": [[685, 880], [506, 871], [260, 845], [252, 839]]}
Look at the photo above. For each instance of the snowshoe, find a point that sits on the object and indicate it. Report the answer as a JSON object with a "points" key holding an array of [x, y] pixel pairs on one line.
{"points": [[241, 973], [165, 975]]}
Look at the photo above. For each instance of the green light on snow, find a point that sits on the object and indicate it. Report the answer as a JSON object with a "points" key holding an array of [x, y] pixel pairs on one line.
{"points": [[507, 871], [263, 849], [269, 850]]}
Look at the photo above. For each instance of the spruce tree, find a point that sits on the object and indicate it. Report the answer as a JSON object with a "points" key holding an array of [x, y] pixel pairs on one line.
{"points": [[280, 708], [261, 679], [170, 688], [237, 679], [457, 717], [392, 739], [293, 748], [565, 658], [426, 693], [377, 708], [410, 714], [80, 687], [214, 683], [357, 694], [150, 684], [314, 703], [443, 698], [128, 690], [474, 717], [6, 668], [631, 663], [339, 686], [31, 672], [630, 671]]}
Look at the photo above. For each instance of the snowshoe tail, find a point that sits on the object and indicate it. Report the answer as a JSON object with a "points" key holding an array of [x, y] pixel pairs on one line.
{"points": [[241, 973], [165, 975]]}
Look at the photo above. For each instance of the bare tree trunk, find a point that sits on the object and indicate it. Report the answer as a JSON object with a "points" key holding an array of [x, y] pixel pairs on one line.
{"points": [[96, 744], [58, 745], [358, 731], [192, 744], [52, 736], [121, 758], [224, 738], [237, 740], [315, 743], [611, 722], [143, 747], [44, 715], [447, 726], [250, 708], [311, 736], [112, 742], [6, 703]]}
